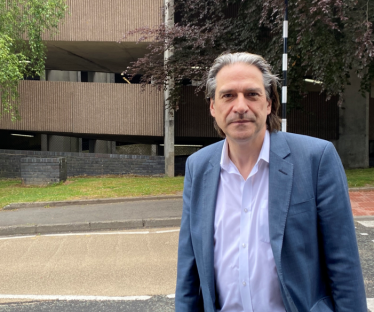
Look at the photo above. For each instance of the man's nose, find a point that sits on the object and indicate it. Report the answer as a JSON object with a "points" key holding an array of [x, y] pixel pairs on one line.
{"points": [[240, 106]]}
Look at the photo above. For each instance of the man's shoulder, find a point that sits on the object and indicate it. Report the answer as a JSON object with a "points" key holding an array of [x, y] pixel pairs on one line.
{"points": [[206, 154], [302, 142]]}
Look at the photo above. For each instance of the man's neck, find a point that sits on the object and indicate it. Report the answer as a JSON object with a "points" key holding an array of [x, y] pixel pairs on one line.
{"points": [[244, 155]]}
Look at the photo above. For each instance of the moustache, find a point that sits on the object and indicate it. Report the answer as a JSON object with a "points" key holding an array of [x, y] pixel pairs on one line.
{"points": [[241, 118]]}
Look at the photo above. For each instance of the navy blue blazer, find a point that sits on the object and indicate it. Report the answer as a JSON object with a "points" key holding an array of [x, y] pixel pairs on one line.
{"points": [[311, 229]]}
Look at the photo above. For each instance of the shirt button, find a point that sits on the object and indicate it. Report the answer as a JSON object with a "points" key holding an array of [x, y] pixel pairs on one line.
{"points": [[243, 245], [244, 284], [245, 210]]}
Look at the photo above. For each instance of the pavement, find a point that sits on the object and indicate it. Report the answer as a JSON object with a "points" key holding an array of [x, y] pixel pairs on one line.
{"points": [[88, 215], [120, 214]]}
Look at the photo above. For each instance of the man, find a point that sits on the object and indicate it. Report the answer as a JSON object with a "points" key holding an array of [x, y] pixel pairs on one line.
{"points": [[267, 223]]}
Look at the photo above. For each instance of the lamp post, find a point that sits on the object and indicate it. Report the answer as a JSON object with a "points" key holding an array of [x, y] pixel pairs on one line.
{"points": [[169, 112], [284, 68]]}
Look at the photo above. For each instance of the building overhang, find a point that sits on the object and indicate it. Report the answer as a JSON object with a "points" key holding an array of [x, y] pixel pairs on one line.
{"points": [[110, 57]]}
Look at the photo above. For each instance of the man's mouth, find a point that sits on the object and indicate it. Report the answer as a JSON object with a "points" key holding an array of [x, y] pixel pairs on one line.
{"points": [[240, 121]]}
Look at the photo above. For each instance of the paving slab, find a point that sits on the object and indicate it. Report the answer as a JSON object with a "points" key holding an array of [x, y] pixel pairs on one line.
{"points": [[362, 202]]}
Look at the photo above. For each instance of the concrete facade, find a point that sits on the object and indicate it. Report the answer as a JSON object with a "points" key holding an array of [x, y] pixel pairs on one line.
{"points": [[58, 143], [101, 146], [63, 109], [353, 143]]}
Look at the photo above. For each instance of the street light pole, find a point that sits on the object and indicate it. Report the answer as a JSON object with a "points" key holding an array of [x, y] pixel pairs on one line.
{"points": [[169, 112], [284, 68]]}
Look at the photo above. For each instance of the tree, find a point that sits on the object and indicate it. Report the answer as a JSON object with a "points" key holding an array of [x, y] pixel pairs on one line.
{"points": [[22, 51], [327, 39]]}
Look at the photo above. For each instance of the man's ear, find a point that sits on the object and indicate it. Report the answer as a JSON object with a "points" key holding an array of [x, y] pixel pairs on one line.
{"points": [[211, 107], [268, 107]]}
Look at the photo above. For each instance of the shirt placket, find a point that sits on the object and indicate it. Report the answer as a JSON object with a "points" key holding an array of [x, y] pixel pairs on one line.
{"points": [[245, 221]]}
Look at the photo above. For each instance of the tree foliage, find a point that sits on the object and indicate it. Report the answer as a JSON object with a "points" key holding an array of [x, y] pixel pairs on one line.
{"points": [[328, 41], [22, 51]]}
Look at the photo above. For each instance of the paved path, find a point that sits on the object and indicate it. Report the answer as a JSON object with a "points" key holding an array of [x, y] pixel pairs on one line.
{"points": [[119, 216], [84, 218], [362, 203]]}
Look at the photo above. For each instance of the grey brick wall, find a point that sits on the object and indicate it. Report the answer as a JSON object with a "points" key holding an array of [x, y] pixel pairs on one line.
{"points": [[85, 163], [41, 171]]}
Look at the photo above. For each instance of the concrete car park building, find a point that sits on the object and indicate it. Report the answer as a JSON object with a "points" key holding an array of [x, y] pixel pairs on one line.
{"points": [[83, 104]]}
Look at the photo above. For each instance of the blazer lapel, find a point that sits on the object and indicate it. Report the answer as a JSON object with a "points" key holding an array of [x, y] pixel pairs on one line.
{"points": [[210, 185], [280, 187]]}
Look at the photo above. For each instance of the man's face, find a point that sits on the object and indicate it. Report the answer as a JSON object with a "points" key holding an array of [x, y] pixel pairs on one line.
{"points": [[240, 106]]}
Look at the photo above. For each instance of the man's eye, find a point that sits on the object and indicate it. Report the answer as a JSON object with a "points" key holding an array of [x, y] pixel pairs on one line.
{"points": [[227, 95], [252, 94]]}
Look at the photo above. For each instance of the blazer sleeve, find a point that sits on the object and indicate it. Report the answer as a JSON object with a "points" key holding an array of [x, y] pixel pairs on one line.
{"points": [[187, 295], [336, 226]]}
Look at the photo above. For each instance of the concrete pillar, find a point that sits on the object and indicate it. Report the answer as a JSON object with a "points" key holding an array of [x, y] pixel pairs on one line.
{"points": [[91, 146], [80, 145], [57, 143], [353, 143], [44, 142], [169, 113], [154, 150], [103, 147], [62, 75], [101, 77]]}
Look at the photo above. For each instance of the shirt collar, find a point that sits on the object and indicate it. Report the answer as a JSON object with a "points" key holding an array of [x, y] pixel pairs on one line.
{"points": [[228, 165]]}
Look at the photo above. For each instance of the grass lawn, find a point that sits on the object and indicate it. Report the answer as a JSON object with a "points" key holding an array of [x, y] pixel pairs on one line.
{"points": [[11, 191], [360, 177]]}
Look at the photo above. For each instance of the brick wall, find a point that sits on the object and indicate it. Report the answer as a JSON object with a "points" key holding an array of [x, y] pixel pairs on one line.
{"points": [[86, 163], [40, 171]]}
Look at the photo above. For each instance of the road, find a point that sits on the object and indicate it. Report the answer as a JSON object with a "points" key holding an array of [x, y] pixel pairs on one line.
{"points": [[108, 271], [104, 265]]}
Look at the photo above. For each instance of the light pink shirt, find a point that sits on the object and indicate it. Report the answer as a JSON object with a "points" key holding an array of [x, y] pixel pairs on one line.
{"points": [[245, 272]]}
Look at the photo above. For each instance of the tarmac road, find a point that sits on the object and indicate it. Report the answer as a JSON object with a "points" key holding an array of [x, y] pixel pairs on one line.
{"points": [[126, 271], [154, 304], [140, 263]]}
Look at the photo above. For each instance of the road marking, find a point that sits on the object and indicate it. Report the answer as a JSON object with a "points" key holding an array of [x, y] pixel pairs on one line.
{"points": [[370, 302], [88, 234], [68, 298], [168, 231], [364, 233], [367, 223], [17, 237], [97, 233]]}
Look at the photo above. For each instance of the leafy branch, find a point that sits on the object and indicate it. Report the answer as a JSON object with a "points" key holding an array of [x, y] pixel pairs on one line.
{"points": [[327, 40], [22, 51]]}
